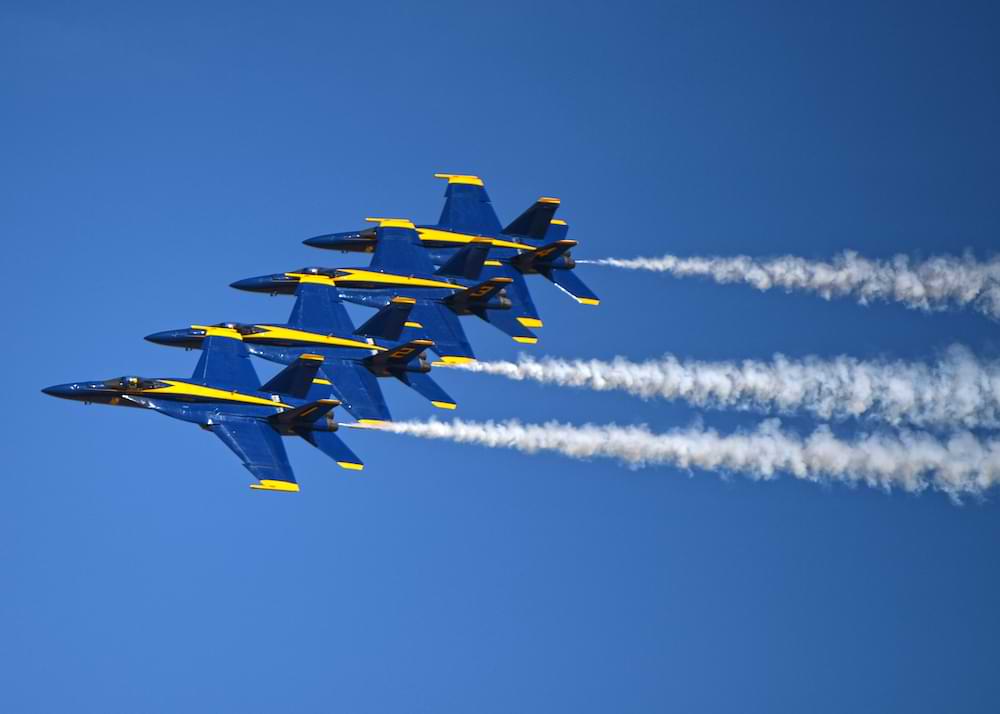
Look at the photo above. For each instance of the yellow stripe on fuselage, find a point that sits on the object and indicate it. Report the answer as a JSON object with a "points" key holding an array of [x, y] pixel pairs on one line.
{"points": [[178, 389], [439, 236], [368, 278], [350, 275], [287, 334]]}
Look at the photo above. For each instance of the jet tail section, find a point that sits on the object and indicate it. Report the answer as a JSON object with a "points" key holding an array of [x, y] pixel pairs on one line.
{"points": [[426, 387], [507, 322], [568, 282], [467, 262], [440, 323], [481, 296], [303, 417], [398, 357], [388, 323], [534, 222], [296, 379], [334, 447]]}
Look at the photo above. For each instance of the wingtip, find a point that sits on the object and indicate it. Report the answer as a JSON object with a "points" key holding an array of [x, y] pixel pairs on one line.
{"points": [[272, 485]]}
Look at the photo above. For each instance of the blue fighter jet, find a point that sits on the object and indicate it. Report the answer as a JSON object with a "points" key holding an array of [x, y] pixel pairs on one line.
{"points": [[400, 267], [534, 243], [353, 362], [225, 397]]}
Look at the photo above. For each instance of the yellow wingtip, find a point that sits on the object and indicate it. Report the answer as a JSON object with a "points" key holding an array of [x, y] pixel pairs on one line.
{"points": [[445, 405], [350, 466], [272, 485], [452, 359], [588, 301], [526, 340], [530, 321]]}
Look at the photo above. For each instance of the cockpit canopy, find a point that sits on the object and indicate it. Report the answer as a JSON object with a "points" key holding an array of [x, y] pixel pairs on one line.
{"points": [[234, 326], [242, 328], [133, 384]]}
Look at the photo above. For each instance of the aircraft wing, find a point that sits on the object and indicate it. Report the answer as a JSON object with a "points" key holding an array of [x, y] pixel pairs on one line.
{"points": [[440, 324], [467, 207], [398, 249], [357, 389], [260, 448], [318, 309], [226, 362]]}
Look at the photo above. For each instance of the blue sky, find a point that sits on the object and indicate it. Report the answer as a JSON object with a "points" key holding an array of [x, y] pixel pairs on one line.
{"points": [[153, 154]]}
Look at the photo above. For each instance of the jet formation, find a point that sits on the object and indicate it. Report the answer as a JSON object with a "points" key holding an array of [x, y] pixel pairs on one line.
{"points": [[421, 279]]}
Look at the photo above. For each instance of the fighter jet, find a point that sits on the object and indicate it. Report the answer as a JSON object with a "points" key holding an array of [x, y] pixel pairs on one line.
{"points": [[400, 267], [353, 361], [534, 243], [225, 397]]}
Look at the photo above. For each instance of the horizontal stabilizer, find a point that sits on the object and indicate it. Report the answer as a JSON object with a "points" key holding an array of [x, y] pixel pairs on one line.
{"points": [[569, 283], [296, 379], [535, 221], [422, 383], [506, 321], [388, 322], [521, 304], [468, 262], [334, 447]]}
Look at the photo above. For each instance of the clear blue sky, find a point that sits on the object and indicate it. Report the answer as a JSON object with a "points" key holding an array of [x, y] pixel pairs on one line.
{"points": [[153, 154]]}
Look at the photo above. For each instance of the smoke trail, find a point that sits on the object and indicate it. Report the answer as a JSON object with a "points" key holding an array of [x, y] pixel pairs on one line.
{"points": [[934, 284], [909, 461], [957, 390]]}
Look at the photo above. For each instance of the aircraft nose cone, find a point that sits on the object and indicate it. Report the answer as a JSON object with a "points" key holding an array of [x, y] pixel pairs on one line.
{"points": [[168, 337], [63, 391], [260, 284], [318, 241]]}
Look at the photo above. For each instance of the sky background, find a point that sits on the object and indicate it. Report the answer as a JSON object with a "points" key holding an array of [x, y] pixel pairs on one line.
{"points": [[150, 154]]}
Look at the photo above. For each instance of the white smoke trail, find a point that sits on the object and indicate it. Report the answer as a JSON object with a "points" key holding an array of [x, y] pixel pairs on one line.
{"points": [[934, 284], [958, 390], [909, 461]]}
